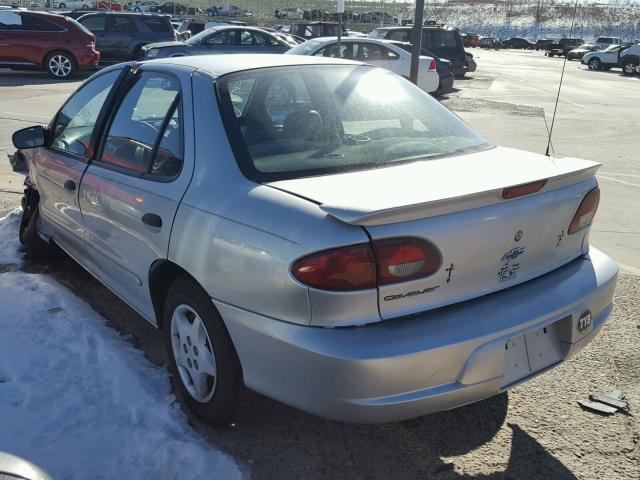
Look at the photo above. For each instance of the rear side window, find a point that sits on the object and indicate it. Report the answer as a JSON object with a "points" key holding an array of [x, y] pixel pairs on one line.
{"points": [[157, 24], [75, 123], [94, 24], [10, 21], [35, 23], [121, 24], [145, 135], [399, 35]]}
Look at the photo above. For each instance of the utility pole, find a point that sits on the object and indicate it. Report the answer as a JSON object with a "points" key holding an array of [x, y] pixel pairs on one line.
{"points": [[340, 13], [417, 40]]}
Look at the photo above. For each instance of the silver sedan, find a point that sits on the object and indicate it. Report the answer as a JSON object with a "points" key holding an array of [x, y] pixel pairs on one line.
{"points": [[320, 231]]}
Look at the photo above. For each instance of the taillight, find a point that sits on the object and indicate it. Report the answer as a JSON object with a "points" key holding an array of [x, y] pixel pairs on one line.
{"points": [[365, 266], [432, 65], [586, 211], [524, 189], [403, 259], [346, 268]]}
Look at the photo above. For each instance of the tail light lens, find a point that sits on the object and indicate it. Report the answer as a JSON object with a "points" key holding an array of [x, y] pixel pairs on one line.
{"points": [[347, 268], [403, 259], [366, 266], [432, 65], [586, 211], [524, 189]]}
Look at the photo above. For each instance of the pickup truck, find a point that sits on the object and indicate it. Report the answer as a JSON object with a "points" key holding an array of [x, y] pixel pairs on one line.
{"points": [[563, 47]]}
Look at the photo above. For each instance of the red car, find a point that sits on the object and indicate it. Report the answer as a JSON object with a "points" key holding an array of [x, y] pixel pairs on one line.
{"points": [[105, 5], [471, 40], [43, 41]]}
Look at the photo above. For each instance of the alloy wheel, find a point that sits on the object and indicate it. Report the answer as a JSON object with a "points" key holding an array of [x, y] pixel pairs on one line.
{"points": [[193, 353], [60, 66], [629, 68]]}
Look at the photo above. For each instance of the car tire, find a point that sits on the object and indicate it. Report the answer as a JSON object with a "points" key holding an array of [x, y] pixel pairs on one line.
{"points": [[136, 9], [217, 397], [629, 67], [595, 64], [60, 65], [29, 222], [550, 55], [62, 5]]}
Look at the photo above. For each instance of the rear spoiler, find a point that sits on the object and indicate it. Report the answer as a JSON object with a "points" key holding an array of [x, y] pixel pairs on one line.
{"points": [[366, 218]]}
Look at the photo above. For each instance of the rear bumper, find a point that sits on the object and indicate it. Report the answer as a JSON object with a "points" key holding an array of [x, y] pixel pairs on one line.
{"points": [[88, 60], [438, 360]]}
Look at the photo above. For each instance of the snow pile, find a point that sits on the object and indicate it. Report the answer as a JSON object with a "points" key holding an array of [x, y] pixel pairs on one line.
{"points": [[78, 400], [535, 20], [10, 252]]}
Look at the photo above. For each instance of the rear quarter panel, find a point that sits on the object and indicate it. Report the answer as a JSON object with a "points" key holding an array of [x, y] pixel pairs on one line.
{"points": [[238, 239]]}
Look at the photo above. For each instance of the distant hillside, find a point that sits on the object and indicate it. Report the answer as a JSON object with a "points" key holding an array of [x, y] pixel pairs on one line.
{"points": [[538, 19]]}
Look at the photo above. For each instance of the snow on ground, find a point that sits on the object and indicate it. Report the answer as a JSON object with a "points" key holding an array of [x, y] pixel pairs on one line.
{"points": [[9, 243], [77, 399]]}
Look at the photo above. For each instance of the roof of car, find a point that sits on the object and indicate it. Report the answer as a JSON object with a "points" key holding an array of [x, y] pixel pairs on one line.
{"points": [[219, 65]]}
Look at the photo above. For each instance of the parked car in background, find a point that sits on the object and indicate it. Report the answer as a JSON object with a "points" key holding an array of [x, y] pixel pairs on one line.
{"points": [[142, 6], [470, 62], [605, 59], [347, 16], [470, 40], [188, 28], [289, 13], [544, 44], [309, 30], [489, 42], [445, 42], [378, 16], [316, 14], [218, 40], [175, 8], [581, 51], [73, 4], [630, 59], [443, 67], [604, 42], [76, 14], [563, 47], [231, 11], [353, 33], [518, 43], [106, 5], [382, 53], [120, 36], [44, 41], [366, 206]]}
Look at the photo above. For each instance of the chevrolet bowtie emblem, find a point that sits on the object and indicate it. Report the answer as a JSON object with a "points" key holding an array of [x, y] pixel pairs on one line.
{"points": [[514, 253]]}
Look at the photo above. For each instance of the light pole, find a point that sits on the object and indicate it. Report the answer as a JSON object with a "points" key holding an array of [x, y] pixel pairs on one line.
{"points": [[417, 40]]}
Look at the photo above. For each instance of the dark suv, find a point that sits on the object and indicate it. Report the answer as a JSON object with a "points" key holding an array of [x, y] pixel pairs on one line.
{"points": [[120, 36], [445, 42], [42, 41]]}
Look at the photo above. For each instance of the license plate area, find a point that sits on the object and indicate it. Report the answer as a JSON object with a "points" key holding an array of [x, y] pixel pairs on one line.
{"points": [[531, 352]]}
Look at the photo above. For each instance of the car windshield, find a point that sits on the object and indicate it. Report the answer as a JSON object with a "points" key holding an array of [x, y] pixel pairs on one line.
{"points": [[611, 48], [289, 122]]}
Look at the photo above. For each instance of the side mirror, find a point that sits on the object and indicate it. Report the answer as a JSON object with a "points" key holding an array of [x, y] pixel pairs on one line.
{"points": [[30, 137]]}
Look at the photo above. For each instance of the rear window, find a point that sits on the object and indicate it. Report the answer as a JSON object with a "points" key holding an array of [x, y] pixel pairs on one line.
{"points": [[290, 122], [156, 24]]}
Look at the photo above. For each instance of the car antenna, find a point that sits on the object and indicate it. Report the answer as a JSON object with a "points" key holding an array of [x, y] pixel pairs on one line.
{"points": [[555, 108]]}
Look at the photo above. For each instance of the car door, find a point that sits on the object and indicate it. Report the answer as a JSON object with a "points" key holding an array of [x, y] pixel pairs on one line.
{"points": [[60, 164], [371, 53], [17, 43], [129, 195], [121, 36]]}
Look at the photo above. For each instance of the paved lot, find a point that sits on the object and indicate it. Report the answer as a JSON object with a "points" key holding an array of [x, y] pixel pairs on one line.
{"points": [[537, 430]]}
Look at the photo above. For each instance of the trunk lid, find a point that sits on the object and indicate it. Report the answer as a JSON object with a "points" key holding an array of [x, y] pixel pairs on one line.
{"points": [[487, 243]]}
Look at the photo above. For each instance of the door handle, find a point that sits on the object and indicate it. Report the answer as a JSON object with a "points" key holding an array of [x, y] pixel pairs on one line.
{"points": [[152, 219], [70, 185]]}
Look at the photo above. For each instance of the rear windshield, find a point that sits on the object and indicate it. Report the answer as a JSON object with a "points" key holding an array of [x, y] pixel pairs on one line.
{"points": [[290, 122], [156, 24]]}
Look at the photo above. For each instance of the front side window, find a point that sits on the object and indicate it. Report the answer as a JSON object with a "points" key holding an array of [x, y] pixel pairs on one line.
{"points": [[145, 134], [289, 122], [226, 37], [74, 124]]}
